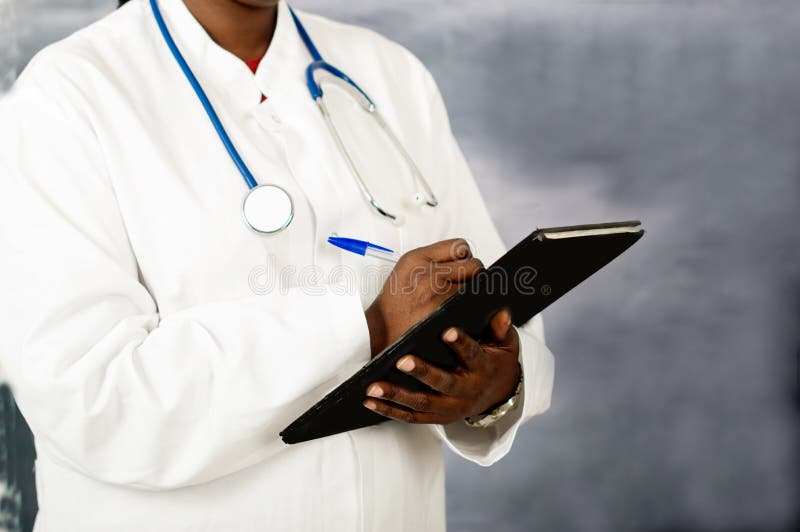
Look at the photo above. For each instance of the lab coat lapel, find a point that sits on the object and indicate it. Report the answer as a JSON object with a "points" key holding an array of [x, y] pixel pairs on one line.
{"points": [[224, 77], [281, 68]]}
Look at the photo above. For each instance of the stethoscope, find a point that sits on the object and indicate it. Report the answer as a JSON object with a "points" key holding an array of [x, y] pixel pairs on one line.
{"points": [[269, 208]]}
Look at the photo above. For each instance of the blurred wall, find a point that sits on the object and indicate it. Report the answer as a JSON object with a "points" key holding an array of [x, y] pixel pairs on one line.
{"points": [[675, 405], [9, 51]]}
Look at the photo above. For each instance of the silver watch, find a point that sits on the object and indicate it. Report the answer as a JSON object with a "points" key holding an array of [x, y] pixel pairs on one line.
{"points": [[487, 420]]}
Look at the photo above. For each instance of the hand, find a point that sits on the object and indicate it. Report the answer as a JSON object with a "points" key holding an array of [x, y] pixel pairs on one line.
{"points": [[488, 376], [421, 281]]}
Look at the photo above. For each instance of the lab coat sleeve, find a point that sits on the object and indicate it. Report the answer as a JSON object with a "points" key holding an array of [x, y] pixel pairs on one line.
{"points": [[469, 218], [111, 388]]}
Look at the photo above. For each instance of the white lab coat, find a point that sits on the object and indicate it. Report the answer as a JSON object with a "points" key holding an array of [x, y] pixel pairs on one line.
{"points": [[149, 346]]}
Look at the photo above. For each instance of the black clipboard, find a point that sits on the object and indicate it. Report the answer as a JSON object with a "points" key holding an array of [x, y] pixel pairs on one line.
{"points": [[531, 276]]}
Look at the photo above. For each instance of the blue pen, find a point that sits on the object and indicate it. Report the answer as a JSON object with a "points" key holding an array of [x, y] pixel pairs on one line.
{"points": [[365, 249]]}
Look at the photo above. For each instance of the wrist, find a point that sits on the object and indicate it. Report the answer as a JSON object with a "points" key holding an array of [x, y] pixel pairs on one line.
{"points": [[499, 411], [509, 392], [517, 381]]}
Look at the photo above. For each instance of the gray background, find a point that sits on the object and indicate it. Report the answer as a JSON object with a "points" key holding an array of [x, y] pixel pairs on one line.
{"points": [[676, 399]]}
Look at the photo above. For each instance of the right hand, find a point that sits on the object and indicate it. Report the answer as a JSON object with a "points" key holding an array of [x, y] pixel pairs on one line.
{"points": [[421, 281]]}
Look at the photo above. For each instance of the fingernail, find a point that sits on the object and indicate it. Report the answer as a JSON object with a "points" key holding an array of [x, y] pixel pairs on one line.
{"points": [[451, 335], [375, 391], [370, 404], [405, 364]]}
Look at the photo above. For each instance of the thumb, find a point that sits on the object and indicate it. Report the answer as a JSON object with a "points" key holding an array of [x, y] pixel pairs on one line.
{"points": [[500, 325]]}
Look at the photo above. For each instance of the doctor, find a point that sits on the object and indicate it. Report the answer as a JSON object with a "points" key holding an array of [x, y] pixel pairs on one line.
{"points": [[158, 332]]}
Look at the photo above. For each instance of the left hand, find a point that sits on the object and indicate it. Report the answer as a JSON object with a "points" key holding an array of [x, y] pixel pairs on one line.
{"points": [[488, 376]]}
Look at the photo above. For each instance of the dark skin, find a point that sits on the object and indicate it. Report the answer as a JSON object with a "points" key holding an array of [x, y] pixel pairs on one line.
{"points": [[243, 27], [422, 280]]}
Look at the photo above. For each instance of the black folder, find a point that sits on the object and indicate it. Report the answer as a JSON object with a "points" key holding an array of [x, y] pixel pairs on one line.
{"points": [[532, 275]]}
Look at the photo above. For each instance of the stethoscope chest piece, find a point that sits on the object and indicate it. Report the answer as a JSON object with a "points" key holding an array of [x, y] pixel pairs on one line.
{"points": [[268, 209]]}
